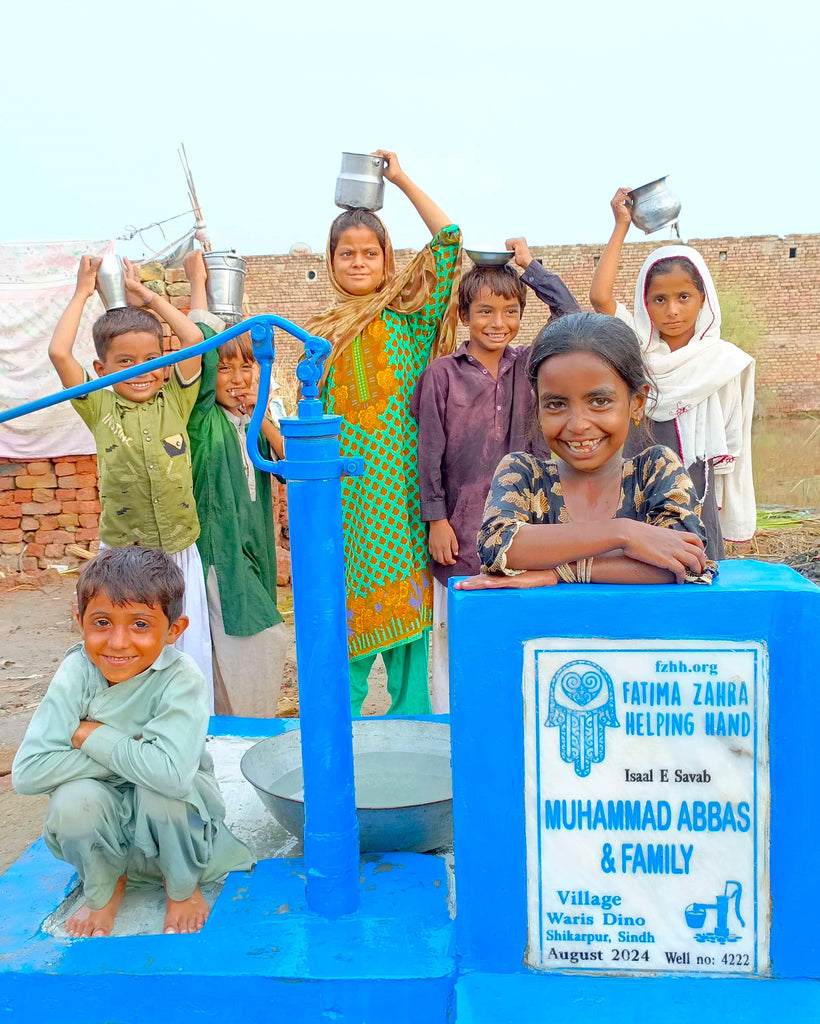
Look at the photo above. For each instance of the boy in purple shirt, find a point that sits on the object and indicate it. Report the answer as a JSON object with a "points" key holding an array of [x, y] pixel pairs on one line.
{"points": [[474, 407]]}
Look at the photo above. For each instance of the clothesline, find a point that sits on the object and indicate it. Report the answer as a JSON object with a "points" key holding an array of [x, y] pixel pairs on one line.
{"points": [[155, 224]]}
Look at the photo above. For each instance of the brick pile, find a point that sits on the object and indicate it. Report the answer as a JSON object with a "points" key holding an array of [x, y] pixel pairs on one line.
{"points": [[47, 507]]}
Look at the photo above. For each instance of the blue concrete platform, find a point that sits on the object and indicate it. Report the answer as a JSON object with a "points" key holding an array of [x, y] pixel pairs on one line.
{"points": [[261, 956]]}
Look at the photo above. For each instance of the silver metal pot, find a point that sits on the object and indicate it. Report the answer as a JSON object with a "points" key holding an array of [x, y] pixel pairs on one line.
{"points": [[654, 206], [225, 285], [360, 185], [111, 283], [404, 789]]}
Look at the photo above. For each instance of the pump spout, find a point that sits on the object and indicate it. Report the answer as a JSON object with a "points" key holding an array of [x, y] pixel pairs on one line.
{"points": [[735, 895]]}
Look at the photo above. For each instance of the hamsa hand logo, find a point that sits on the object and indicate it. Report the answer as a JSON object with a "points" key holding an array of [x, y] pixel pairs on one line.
{"points": [[582, 705]]}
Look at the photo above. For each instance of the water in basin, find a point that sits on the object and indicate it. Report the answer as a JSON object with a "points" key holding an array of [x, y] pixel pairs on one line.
{"points": [[386, 778]]}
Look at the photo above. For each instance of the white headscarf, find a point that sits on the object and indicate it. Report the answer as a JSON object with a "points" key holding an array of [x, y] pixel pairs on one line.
{"points": [[707, 387]]}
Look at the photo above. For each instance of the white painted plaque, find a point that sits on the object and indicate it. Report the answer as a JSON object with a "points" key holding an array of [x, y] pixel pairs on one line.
{"points": [[647, 805]]}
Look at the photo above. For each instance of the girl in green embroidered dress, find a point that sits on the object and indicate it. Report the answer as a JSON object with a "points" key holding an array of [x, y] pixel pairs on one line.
{"points": [[384, 330]]}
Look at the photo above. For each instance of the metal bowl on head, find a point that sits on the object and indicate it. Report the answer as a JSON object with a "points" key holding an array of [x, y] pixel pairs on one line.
{"points": [[404, 789], [490, 259]]}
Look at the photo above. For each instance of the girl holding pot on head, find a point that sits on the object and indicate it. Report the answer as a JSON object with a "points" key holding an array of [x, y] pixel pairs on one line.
{"points": [[384, 329], [704, 386]]}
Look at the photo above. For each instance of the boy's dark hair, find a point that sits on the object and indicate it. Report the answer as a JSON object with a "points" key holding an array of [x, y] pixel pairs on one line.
{"points": [[133, 575], [121, 321], [670, 263], [501, 281], [356, 219], [240, 345]]}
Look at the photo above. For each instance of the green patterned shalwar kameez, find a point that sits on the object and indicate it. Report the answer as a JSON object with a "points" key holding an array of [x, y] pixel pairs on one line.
{"points": [[389, 592]]}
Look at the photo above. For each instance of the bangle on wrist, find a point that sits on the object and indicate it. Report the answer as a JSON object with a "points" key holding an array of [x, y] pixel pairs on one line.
{"points": [[566, 573], [582, 573], [584, 569], [149, 300]]}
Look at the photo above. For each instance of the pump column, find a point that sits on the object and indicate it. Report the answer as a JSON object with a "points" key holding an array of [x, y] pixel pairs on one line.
{"points": [[313, 470]]}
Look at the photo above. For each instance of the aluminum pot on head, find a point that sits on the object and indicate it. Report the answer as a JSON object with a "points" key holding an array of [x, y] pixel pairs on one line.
{"points": [[111, 281], [360, 185]]}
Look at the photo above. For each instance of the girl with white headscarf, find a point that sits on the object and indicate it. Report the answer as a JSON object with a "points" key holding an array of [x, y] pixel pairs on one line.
{"points": [[704, 395]]}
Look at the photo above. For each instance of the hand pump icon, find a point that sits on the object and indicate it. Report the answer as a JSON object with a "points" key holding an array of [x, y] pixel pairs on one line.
{"points": [[696, 915]]}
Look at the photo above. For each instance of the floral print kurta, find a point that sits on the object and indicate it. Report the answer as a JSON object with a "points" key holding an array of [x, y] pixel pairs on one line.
{"points": [[655, 489]]}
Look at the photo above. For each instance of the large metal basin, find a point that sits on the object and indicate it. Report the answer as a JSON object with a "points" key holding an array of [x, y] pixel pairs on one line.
{"points": [[404, 790]]}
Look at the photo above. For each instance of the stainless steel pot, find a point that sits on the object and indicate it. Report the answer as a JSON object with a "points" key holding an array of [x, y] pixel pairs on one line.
{"points": [[110, 282], [654, 206], [360, 185], [225, 285]]}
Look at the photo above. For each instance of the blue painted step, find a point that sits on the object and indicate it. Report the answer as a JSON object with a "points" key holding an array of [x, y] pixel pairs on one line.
{"points": [[262, 957], [550, 998]]}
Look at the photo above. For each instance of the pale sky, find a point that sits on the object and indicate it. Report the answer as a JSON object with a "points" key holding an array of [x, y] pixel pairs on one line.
{"points": [[519, 118]]}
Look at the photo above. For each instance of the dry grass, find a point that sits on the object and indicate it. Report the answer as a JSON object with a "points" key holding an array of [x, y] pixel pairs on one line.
{"points": [[776, 544]]}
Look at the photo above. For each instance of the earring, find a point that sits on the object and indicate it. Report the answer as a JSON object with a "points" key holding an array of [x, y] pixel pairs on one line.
{"points": [[637, 421]]}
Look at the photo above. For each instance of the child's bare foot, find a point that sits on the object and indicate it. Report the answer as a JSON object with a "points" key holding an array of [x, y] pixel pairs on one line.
{"points": [[88, 923], [184, 916]]}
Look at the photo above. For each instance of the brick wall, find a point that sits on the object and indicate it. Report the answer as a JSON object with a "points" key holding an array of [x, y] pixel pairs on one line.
{"points": [[49, 506], [782, 292]]}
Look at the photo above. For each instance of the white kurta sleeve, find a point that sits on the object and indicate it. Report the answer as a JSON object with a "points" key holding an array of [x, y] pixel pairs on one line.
{"points": [[734, 483], [622, 313]]}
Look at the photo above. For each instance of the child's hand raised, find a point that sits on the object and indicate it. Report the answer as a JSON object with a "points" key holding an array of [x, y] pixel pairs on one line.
{"points": [[442, 542], [621, 204], [87, 276], [523, 256], [392, 170], [136, 294], [194, 266], [674, 550]]}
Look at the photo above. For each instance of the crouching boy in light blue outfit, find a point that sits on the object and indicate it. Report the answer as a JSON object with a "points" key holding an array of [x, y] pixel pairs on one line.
{"points": [[119, 744]]}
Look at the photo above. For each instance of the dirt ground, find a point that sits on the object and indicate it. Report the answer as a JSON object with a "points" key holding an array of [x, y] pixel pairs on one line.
{"points": [[36, 629]]}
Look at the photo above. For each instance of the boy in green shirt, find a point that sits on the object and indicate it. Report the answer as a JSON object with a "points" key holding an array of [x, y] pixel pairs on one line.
{"points": [[118, 742], [140, 429]]}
